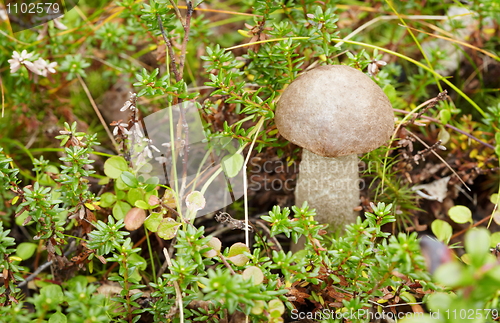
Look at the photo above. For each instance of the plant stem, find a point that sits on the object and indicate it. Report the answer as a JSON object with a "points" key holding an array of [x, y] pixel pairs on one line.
{"points": [[187, 27], [170, 50], [150, 254]]}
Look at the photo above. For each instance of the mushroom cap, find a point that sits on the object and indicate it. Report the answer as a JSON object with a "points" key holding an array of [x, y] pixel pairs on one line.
{"points": [[335, 110]]}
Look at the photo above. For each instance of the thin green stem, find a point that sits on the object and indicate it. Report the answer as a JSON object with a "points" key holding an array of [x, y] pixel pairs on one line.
{"points": [[150, 254]]}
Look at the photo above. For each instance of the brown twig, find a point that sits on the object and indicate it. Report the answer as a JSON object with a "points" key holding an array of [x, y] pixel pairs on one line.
{"points": [[187, 27], [178, 13], [440, 158], [472, 226], [170, 50], [440, 97], [451, 127]]}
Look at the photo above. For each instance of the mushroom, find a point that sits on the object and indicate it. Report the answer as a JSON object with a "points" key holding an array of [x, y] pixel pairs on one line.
{"points": [[333, 112]]}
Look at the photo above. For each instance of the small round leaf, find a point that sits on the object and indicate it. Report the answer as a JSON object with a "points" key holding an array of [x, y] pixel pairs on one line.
{"points": [[232, 164], [195, 201], [460, 214], [255, 272], [168, 228], [121, 209], [134, 219], [114, 166], [442, 230]]}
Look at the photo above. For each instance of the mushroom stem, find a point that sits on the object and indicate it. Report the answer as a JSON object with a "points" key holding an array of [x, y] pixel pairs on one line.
{"points": [[331, 186]]}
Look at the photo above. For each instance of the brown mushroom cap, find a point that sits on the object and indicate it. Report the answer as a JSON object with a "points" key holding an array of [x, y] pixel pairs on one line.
{"points": [[335, 110]]}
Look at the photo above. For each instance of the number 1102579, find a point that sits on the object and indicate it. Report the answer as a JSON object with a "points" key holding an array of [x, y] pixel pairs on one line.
{"points": [[39, 8]]}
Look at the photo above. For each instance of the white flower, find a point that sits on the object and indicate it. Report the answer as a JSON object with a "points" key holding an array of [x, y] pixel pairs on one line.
{"points": [[374, 67], [138, 131], [45, 67], [22, 59], [122, 126], [166, 144], [130, 103], [58, 24], [161, 160], [126, 106], [147, 152], [150, 144]]}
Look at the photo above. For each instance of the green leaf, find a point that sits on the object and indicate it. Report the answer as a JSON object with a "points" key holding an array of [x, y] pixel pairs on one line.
{"points": [[129, 179], [450, 274], [276, 305], [20, 219], [53, 295], [255, 272], [442, 230], [107, 199], [114, 166], [168, 228], [494, 239], [137, 261], [134, 195], [258, 308], [215, 246], [445, 116], [390, 91], [477, 245], [153, 221], [120, 185], [460, 214], [26, 249], [195, 201], [236, 255], [58, 317], [120, 210], [141, 204], [232, 164]]}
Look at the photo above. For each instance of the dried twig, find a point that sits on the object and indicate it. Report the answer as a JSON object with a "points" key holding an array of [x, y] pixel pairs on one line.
{"points": [[440, 97], [170, 50], [440, 158], [71, 248], [178, 13], [451, 127], [187, 27]]}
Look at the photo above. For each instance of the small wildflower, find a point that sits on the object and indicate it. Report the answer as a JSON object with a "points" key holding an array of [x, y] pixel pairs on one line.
{"points": [[22, 59], [130, 104], [45, 67], [126, 106], [374, 67], [150, 145], [161, 159], [166, 144], [120, 126], [137, 130]]}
